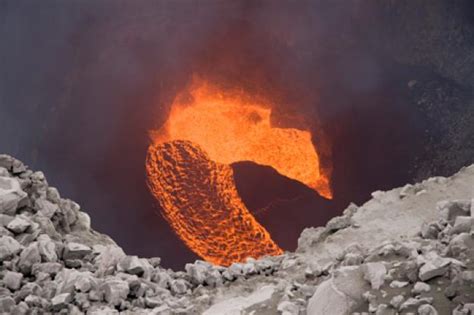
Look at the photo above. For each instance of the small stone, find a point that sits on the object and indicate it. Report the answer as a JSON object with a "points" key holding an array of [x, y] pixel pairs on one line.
{"points": [[83, 222], [53, 195], [353, 259], [421, 287], [94, 296], [398, 284], [70, 210], [61, 301], [47, 248], [235, 270], [468, 276], [66, 279], [46, 207], [28, 257], [76, 251], [115, 291], [469, 307], [384, 309], [427, 309], [433, 268], [28, 289], [249, 268], [313, 270], [105, 310], [132, 265], [18, 225], [50, 268], [459, 244], [430, 230], [197, 271], [342, 293], [179, 286], [374, 273], [6, 304], [84, 283], [162, 309], [36, 301], [20, 309], [162, 278], [397, 301], [288, 308], [12, 280], [462, 224], [408, 189], [5, 219], [82, 300], [449, 210], [338, 223], [8, 247], [415, 302], [12, 196], [154, 261], [108, 258], [450, 292]]}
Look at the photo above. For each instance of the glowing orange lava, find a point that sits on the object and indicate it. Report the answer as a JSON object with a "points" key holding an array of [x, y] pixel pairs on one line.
{"points": [[189, 173], [202, 205], [232, 128]]}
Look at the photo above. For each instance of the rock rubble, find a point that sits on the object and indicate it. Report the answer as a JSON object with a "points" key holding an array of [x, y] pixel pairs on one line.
{"points": [[400, 253]]}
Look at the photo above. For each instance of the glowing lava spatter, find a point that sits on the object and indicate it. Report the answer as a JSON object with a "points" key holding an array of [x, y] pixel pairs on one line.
{"points": [[189, 173]]}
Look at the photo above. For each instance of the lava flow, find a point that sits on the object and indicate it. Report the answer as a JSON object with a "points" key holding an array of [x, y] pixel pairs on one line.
{"points": [[189, 173]]}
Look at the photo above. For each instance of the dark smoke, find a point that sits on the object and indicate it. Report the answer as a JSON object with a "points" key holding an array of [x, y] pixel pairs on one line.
{"points": [[82, 83]]}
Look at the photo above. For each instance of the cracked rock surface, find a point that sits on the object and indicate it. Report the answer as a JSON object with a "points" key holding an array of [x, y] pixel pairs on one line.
{"points": [[406, 251]]}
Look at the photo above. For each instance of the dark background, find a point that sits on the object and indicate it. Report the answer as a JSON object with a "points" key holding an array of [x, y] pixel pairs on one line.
{"points": [[82, 82]]}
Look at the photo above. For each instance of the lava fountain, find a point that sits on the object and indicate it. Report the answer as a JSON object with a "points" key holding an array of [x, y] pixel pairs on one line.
{"points": [[189, 172]]}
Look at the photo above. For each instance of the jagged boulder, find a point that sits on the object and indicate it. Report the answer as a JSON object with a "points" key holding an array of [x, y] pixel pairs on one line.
{"points": [[341, 294]]}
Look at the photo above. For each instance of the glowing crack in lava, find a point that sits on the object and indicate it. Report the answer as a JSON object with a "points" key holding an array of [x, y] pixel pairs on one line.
{"points": [[189, 173]]}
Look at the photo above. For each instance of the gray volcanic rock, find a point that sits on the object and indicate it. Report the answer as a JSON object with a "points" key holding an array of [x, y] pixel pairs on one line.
{"points": [[76, 251], [18, 225], [29, 257], [401, 252], [339, 295], [11, 195], [8, 247], [12, 280]]}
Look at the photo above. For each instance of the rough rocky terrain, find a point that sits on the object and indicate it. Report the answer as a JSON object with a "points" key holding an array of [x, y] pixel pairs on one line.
{"points": [[406, 251]]}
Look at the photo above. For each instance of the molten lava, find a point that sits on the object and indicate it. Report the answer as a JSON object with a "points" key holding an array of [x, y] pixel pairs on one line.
{"points": [[202, 205], [232, 128], [189, 173]]}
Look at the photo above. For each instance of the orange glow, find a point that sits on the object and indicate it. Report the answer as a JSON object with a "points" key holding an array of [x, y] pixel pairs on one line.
{"points": [[202, 205], [188, 169], [232, 128]]}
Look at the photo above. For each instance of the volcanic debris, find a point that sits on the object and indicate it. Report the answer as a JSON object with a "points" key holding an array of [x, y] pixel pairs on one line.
{"points": [[407, 251]]}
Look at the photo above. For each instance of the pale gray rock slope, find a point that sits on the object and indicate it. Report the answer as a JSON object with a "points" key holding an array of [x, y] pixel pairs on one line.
{"points": [[391, 215], [406, 251]]}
